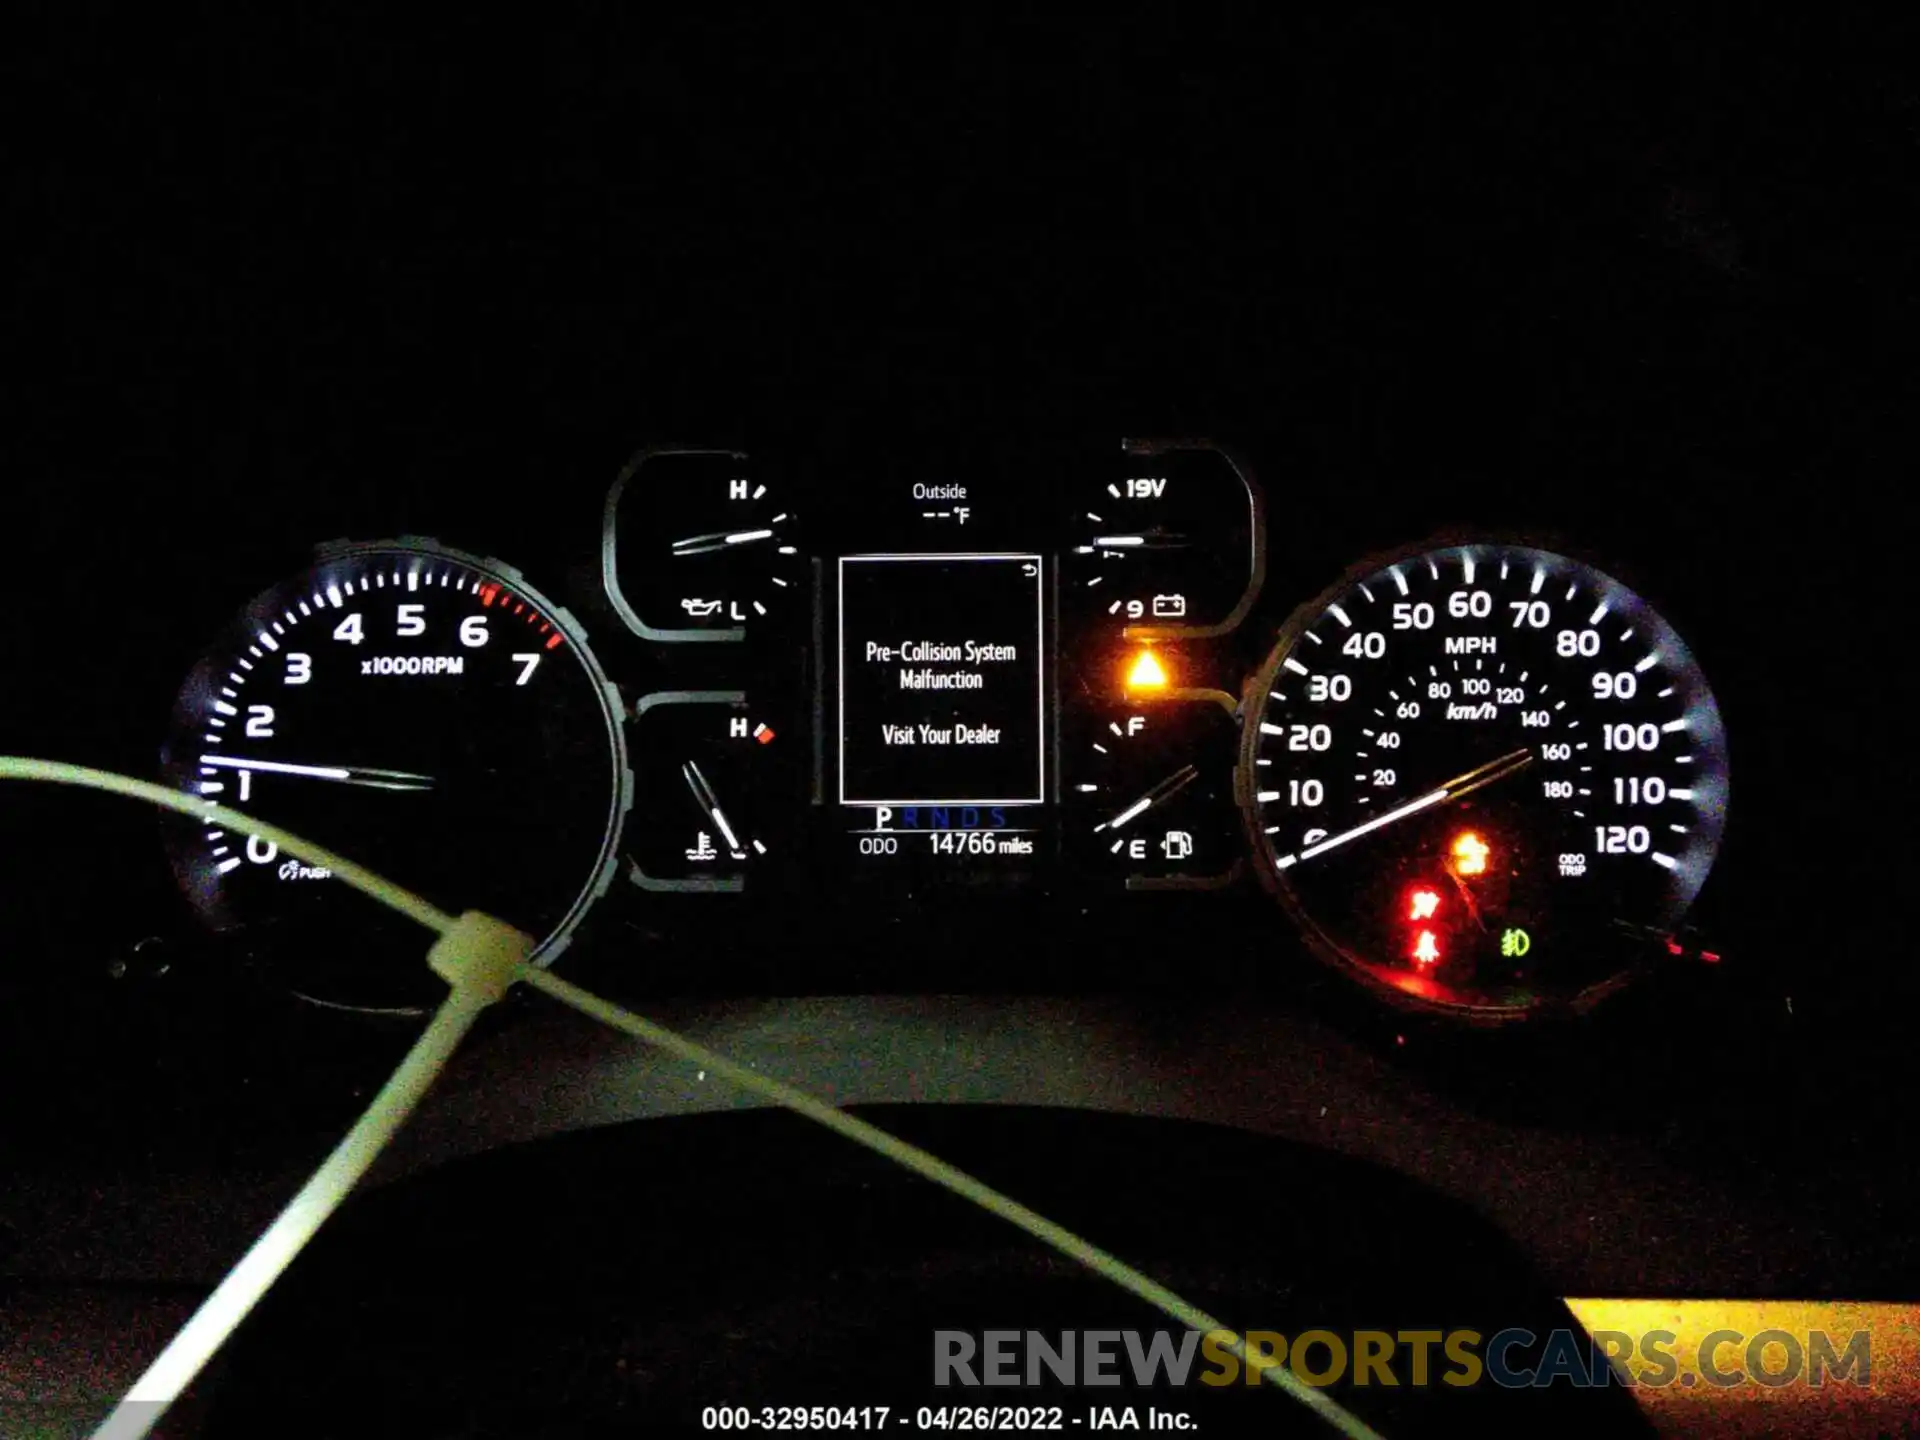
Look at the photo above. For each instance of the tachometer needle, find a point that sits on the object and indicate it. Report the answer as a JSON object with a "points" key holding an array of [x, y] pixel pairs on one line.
{"points": [[718, 540], [1174, 783], [1460, 785], [703, 793], [344, 774]]}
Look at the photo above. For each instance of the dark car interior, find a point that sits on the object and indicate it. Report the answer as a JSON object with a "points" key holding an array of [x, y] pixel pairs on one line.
{"points": [[741, 412]]}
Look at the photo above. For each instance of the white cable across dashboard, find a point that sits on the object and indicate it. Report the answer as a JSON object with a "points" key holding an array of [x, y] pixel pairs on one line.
{"points": [[480, 958]]}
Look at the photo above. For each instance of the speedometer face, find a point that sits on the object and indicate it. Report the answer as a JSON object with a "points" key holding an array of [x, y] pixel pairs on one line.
{"points": [[1482, 775], [423, 712]]}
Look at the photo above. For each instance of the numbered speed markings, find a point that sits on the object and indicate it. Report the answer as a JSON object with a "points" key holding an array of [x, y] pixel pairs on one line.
{"points": [[1481, 775]]}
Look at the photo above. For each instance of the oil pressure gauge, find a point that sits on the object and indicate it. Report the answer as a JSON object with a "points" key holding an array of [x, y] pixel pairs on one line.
{"points": [[698, 546]]}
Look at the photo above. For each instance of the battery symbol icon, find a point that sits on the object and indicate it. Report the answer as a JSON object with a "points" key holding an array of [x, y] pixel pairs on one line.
{"points": [[763, 733]]}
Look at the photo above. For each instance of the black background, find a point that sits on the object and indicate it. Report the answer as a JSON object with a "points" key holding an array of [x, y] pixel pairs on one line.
{"points": [[1648, 283]]}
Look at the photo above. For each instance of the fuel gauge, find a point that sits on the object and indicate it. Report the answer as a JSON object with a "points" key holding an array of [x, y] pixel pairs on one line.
{"points": [[1153, 797]]}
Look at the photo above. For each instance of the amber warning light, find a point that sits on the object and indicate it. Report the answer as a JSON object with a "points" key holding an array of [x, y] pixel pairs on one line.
{"points": [[1470, 854], [1146, 672]]}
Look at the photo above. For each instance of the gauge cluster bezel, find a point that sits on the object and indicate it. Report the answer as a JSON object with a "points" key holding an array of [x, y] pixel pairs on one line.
{"points": [[786, 669]]}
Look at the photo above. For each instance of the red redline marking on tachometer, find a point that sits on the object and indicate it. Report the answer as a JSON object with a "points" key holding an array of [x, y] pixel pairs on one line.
{"points": [[487, 592], [557, 638]]}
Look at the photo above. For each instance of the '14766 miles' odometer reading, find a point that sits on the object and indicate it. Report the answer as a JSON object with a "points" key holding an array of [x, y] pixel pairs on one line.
{"points": [[1484, 775]]}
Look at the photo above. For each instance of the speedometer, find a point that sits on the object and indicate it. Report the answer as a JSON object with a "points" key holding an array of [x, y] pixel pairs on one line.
{"points": [[1480, 776]]}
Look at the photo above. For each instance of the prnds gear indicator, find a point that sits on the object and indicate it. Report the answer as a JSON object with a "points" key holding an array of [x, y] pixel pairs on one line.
{"points": [[942, 680]]}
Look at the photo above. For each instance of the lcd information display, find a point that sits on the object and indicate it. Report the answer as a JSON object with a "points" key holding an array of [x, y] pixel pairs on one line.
{"points": [[941, 680]]}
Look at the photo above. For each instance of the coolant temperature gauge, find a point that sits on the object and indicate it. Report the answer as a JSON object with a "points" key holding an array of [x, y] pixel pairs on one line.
{"points": [[1152, 801], [718, 782]]}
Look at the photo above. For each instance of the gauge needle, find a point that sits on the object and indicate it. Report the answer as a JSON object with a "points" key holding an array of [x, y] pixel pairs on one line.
{"points": [[1460, 785], [1174, 783], [1150, 540], [344, 774], [703, 793], [718, 540]]}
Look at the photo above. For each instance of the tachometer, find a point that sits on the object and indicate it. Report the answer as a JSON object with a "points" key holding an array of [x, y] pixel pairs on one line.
{"points": [[425, 712], [1482, 775]]}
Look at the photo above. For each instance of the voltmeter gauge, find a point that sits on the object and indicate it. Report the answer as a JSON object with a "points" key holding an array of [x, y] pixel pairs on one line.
{"points": [[699, 547], [1480, 776], [424, 712], [1170, 544]]}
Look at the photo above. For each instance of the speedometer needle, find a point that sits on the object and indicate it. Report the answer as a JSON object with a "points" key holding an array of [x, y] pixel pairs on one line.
{"points": [[345, 774], [1460, 785], [1174, 783]]}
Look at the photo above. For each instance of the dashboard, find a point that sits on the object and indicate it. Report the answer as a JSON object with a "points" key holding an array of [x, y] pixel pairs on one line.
{"points": [[1030, 777], [1487, 779], [731, 721], [1381, 652]]}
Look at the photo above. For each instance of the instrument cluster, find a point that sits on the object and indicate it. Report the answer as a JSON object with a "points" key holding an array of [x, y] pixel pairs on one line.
{"points": [[1480, 776]]}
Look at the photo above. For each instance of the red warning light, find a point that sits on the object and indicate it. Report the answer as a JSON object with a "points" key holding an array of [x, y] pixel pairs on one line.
{"points": [[1426, 950], [1423, 904]]}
